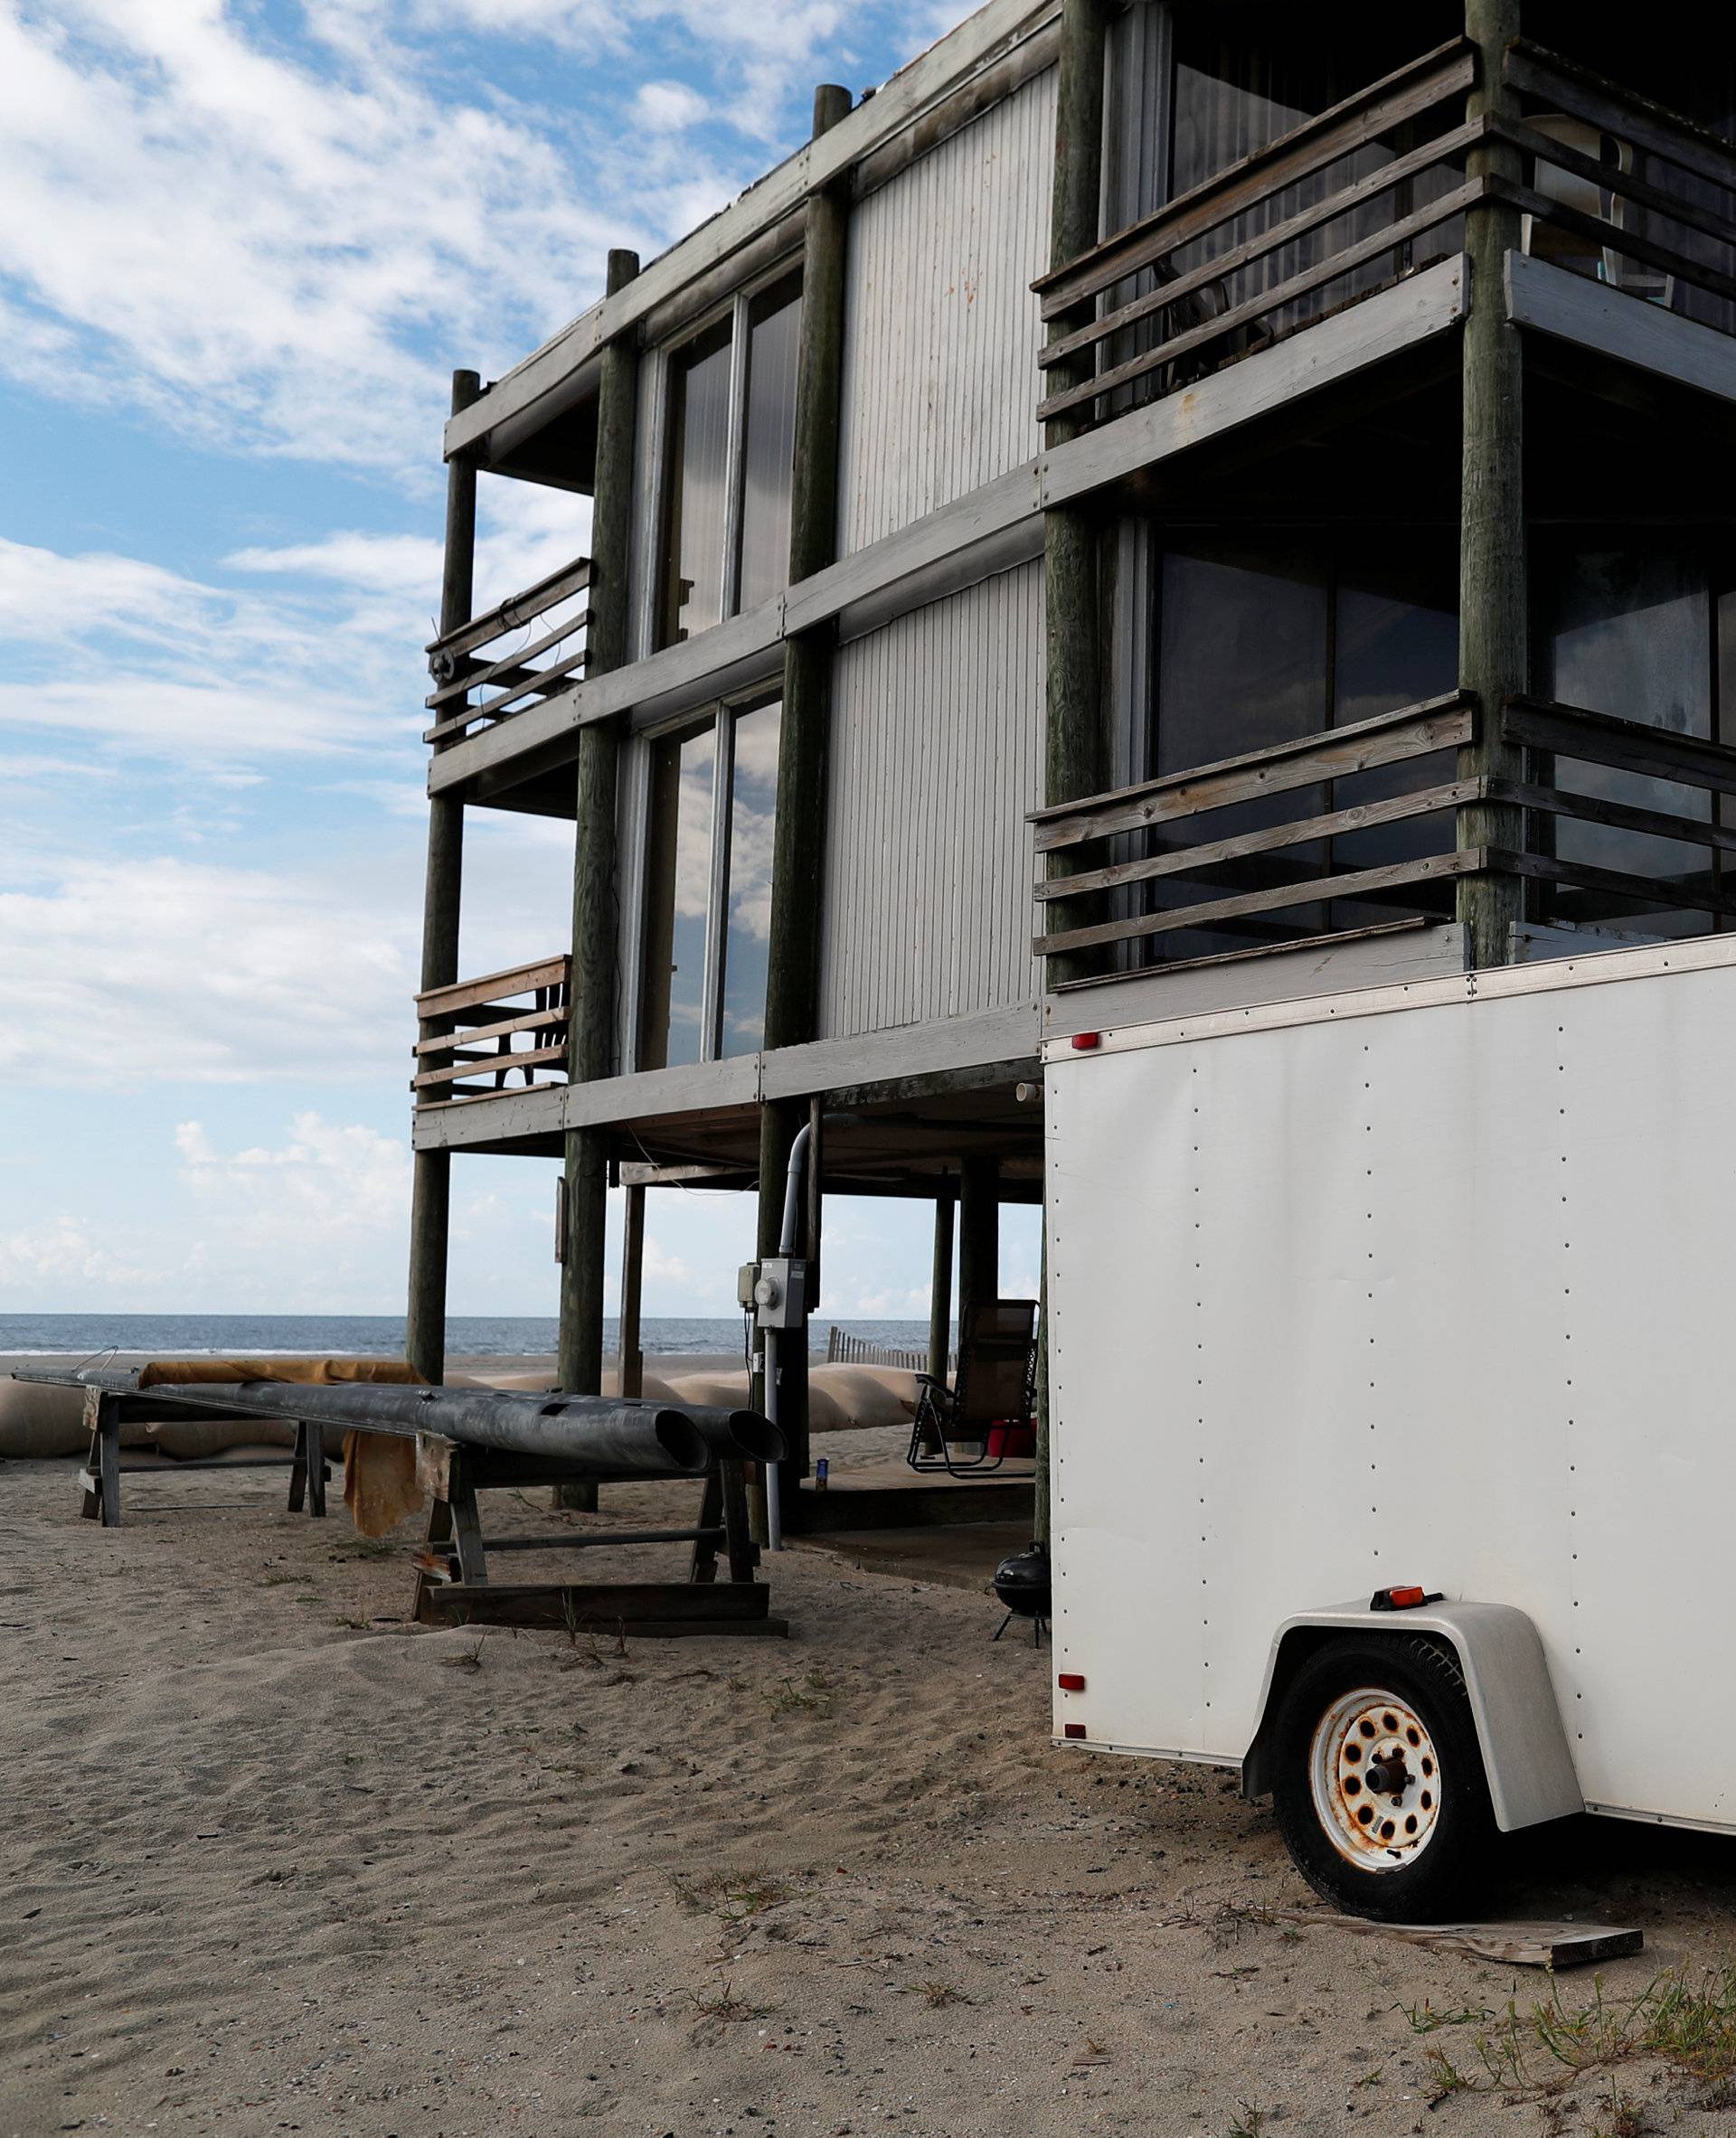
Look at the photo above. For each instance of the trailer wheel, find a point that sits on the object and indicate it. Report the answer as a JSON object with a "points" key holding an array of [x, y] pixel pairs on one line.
{"points": [[1378, 1779]]}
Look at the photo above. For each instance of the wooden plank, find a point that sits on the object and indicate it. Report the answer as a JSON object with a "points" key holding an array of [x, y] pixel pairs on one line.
{"points": [[1628, 746], [1415, 87], [462, 994], [469, 1035], [1627, 184], [719, 1605], [1551, 300], [514, 667], [495, 1065], [1657, 824], [1182, 860], [1256, 247], [1507, 1943], [1271, 381], [1607, 237], [1269, 300], [1623, 112], [1649, 890], [516, 608], [540, 686], [1333, 753], [1357, 883]]}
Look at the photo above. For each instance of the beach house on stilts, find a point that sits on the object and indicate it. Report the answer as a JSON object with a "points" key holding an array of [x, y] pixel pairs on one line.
{"points": [[1161, 508]]}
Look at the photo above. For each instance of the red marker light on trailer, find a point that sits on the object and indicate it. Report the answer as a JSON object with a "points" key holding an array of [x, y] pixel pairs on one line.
{"points": [[1073, 1729], [1071, 1681], [1403, 1599], [1084, 1041]]}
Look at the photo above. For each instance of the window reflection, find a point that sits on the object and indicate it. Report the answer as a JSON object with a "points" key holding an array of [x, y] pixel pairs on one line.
{"points": [[753, 804], [729, 446], [699, 433], [773, 337], [683, 777], [708, 897]]}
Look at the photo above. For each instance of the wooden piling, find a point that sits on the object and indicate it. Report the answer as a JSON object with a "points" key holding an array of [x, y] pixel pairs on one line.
{"points": [[799, 833], [979, 1239], [590, 1052], [941, 1287], [1074, 752], [1494, 632], [431, 1171], [631, 1351]]}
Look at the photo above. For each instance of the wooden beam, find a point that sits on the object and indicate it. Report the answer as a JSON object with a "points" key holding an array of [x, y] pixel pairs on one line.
{"points": [[1494, 628], [431, 1169], [591, 993], [798, 830], [980, 1240], [940, 1286], [630, 1349], [1354, 884], [1074, 741], [1546, 299]]}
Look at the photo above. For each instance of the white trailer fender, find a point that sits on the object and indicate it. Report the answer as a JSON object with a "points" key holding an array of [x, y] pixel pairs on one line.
{"points": [[1524, 1746]]}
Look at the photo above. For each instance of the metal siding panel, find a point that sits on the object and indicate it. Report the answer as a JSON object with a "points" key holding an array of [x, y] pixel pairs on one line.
{"points": [[936, 723], [942, 330]]}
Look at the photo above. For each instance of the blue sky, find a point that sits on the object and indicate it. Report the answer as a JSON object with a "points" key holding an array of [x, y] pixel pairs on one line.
{"points": [[245, 245]]}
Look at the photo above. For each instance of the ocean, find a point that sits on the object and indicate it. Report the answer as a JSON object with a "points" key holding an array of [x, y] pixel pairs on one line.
{"points": [[180, 1336]]}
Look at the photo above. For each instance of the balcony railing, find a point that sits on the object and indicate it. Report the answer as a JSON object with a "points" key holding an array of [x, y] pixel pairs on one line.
{"points": [[512, 656], [1354, 200], [476, 1035], [1136, 856], [1201, 280]]}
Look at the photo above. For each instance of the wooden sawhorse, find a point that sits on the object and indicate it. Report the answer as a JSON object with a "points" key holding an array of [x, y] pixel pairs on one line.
{"points": [[105, 1412], [453, 1586]]}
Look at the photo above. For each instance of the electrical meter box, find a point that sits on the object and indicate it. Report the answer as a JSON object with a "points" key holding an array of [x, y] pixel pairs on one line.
{"points": [[774, 1291]]}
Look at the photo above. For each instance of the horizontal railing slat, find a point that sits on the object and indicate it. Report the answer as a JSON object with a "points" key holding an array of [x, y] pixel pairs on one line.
{"points": [[1581, 93], [1357, 883], [1621, 816], [489, 1065], [1269, 300], [1384, 738], [517, 609], [1318, 142], [1626, 184], [467, 1035], [1609, 236], [1652, 889], [512, 667], [462, 994], [1272, 240], [1626, 746], [1181, 861]]}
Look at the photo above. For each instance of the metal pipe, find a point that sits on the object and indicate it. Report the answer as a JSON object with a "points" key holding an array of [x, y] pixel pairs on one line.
{"points": [[608, 1438]]}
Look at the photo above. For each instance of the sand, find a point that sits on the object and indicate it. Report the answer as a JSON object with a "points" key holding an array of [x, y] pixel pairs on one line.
{"points": [[275, 1859]]}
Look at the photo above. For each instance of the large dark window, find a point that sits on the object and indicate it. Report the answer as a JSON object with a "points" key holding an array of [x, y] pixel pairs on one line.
{"points": [[1261, 639], [1644, 633], [730, 434], [708, 890]]}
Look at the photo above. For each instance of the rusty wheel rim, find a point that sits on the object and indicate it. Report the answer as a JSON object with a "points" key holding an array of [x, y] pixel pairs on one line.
{"points": [[1376, 1779]]}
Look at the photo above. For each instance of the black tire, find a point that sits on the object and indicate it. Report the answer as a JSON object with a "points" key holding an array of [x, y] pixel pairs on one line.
{"points": [[1444, 1881]]}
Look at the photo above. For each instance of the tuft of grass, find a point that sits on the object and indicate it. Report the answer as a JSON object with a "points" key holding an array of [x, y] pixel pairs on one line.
{"points": [[936, 1996], [723, 2003], [1425, 2019], [732, 1894], [1249, 2123], [349, 1619], [813, 1697], [469, 1660], [1685, 2023]]}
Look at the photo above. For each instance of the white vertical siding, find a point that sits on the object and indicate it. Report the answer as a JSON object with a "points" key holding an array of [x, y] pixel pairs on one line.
{"points": [[935, 756], [941, 381]]}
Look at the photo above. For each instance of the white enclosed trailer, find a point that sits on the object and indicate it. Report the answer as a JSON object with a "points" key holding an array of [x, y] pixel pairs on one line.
{"points": [[1426, 1288]]}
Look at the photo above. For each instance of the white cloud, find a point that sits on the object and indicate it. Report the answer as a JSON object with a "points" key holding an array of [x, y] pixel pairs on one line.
{"points": [[126, 971]]}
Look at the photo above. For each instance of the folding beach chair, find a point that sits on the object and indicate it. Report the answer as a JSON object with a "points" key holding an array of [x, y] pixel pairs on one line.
{"points": [[997, 1364]]}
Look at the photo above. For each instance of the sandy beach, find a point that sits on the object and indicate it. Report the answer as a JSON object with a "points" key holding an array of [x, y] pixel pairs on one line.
{"points": [[275, 1859]]}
